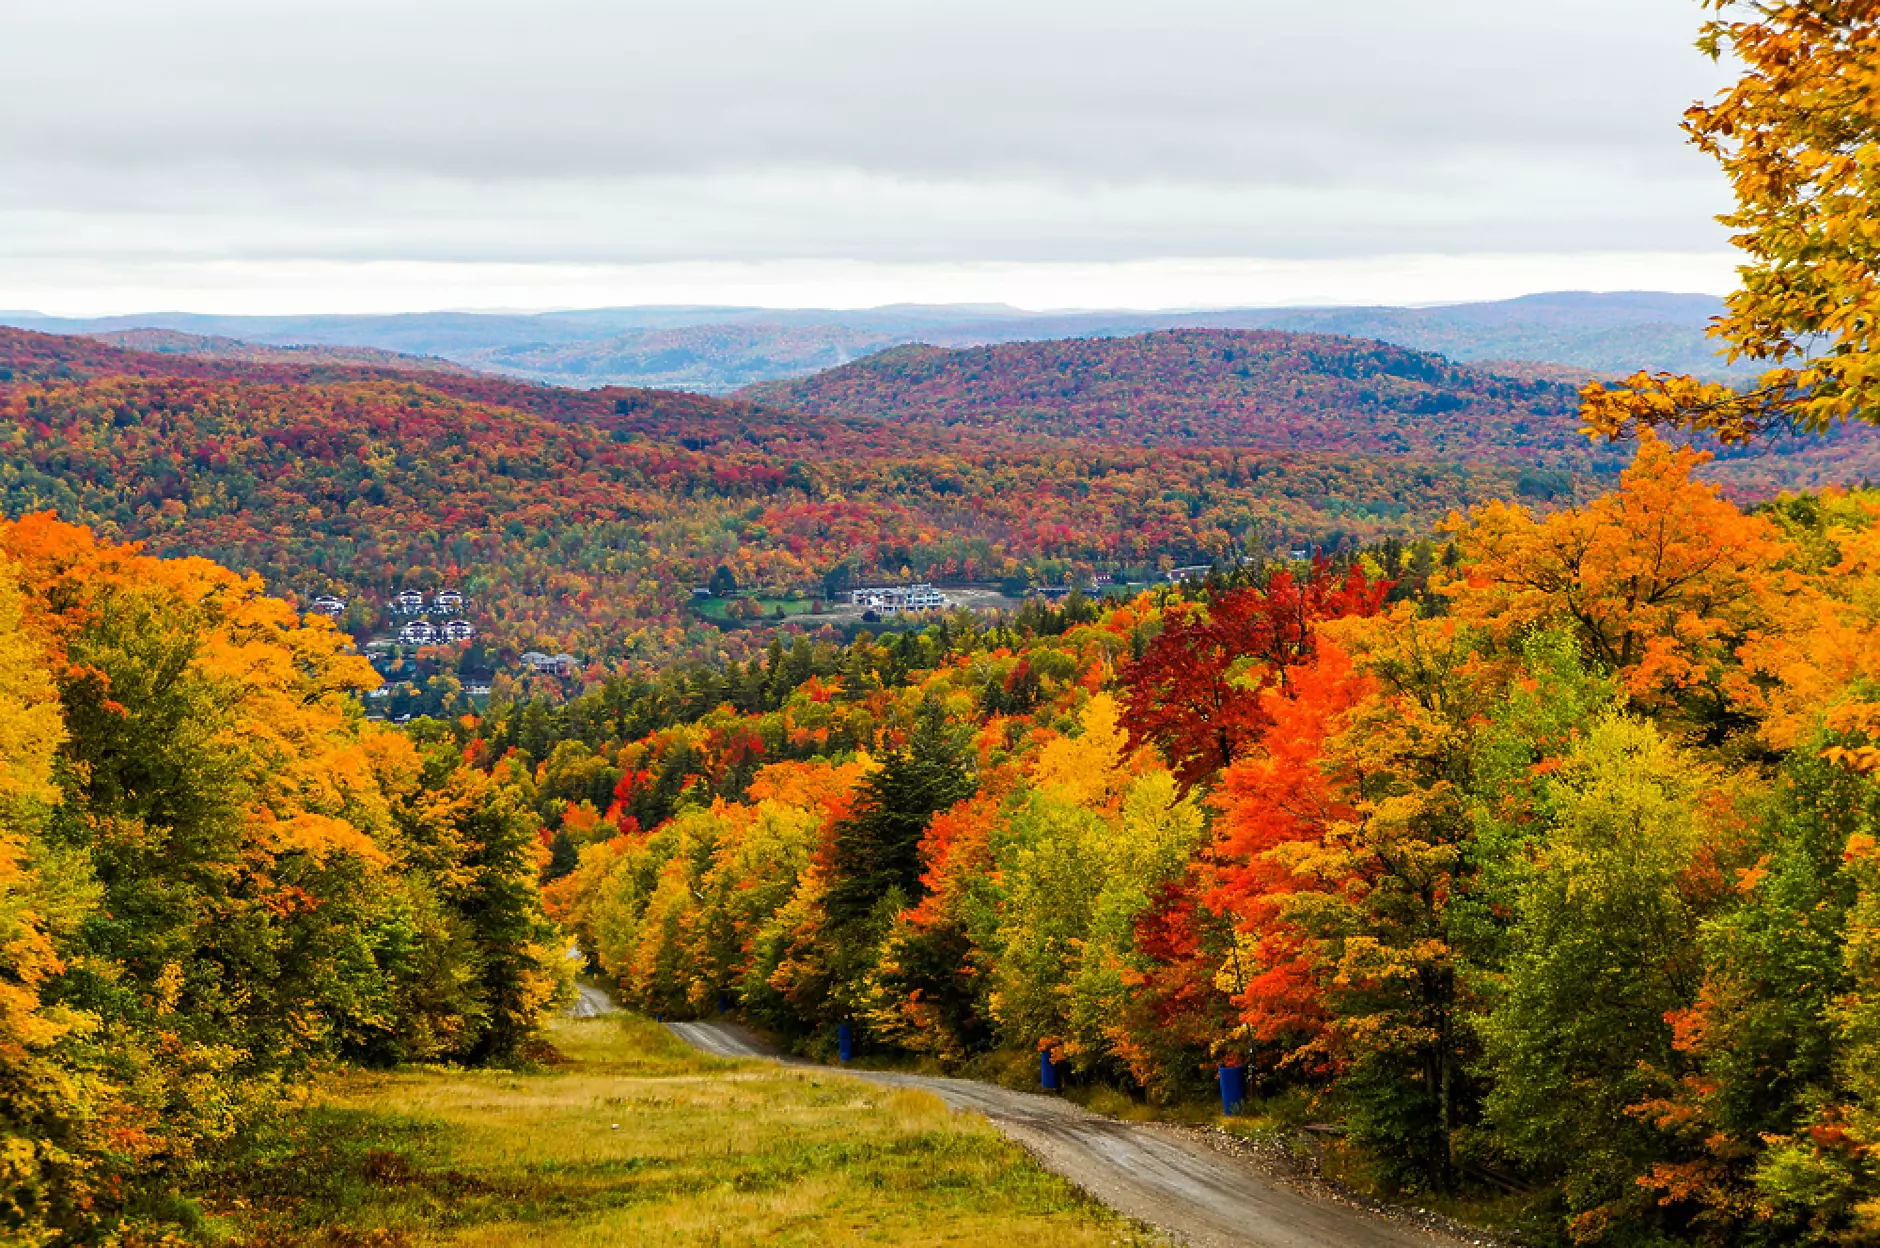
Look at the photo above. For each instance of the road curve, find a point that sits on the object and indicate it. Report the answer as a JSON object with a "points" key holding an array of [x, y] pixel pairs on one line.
{"points": [[1153, 1174], [590, 1002]]}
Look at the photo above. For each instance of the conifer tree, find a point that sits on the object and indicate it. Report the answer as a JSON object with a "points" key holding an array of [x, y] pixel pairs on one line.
{"points": [[877, 848]]}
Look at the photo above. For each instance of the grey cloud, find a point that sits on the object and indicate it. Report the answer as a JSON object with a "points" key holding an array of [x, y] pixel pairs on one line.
{"points": [[578, 129], [1199, 87], [757, 216]]}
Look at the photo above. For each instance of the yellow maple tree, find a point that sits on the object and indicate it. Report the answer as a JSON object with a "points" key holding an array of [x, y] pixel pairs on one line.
{"points": [[31, 729], [1087, 770], [1799, 137]]}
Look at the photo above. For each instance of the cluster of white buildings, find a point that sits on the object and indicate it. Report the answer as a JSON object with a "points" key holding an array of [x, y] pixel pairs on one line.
{"points": [[425, 633], [899, 599], [446, 604], [411, 602], [449, 627]]}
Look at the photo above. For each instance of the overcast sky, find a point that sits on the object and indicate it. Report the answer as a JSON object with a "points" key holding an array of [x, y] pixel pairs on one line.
{"points": [[364, 155]]}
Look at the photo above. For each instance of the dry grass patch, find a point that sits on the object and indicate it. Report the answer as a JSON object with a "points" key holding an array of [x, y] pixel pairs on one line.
{"points": [[636, 1139]]}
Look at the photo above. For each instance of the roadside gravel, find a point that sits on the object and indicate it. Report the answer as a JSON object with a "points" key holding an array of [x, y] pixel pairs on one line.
{"points": [[1205, 1187]]}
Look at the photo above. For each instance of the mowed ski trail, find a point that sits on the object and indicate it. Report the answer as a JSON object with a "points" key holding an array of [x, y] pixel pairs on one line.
{"points": [[1153, 1174]]}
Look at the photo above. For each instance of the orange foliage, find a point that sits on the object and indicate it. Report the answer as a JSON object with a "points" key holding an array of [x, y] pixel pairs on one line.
{"points": [[1280, 795], [1662, 579]]}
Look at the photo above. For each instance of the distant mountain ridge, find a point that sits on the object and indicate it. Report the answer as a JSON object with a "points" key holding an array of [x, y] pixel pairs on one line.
{"points": [[215, 347], [1211, 387], [720, 349], [1272, 390]]}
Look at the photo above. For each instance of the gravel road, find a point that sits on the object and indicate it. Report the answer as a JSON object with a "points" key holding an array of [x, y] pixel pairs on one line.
{"points": [[1167, 1177], [590, 1003]]}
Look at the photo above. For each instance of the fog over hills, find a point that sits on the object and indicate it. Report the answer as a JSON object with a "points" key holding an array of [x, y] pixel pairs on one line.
{"points": [[719, 349]]}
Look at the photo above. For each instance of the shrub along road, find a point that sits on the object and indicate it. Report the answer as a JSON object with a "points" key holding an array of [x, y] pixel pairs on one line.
{"points": [[1163, 1176]]}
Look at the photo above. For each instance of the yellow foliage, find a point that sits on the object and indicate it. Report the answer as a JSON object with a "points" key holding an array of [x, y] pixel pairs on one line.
{"points": [[1799, 137], [31, 730], [1087, 770], [228, 793], [30, 724]]}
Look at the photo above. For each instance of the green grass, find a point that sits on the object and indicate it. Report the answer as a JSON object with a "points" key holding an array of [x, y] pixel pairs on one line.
{"points": [[632, 1138], [718, 608]]}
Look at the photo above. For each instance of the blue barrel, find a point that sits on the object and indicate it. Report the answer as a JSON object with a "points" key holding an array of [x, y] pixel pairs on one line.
{"points": [[1047, 1071], [845, 1042], [1233, 1088]]}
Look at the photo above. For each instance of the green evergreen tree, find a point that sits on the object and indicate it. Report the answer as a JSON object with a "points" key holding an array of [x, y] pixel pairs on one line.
{"points": [[877, 848]]}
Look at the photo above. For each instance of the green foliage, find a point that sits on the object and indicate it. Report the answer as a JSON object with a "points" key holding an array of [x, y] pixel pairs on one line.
{"points": [[1146, 849], [876, 850], [1604, 950]]}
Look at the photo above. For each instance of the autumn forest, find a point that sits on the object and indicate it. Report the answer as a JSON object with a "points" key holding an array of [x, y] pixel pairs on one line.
{"points": [[1482, 762]]}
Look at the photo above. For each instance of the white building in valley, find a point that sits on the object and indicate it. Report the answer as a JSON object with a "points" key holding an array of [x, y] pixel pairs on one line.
{"points": [[899, 599]]}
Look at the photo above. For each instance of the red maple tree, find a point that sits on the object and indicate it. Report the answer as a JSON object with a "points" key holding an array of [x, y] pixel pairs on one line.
{"points": [[1196, 692]]}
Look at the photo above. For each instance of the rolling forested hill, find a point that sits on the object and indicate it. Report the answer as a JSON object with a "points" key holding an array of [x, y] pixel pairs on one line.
{"points": [[1270, 390], [581, 520], [1206, 387], [719, 349]]}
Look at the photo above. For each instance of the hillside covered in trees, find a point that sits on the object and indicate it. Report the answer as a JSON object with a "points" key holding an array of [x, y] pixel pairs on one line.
{"points": [[582, 520], [1552, 876], [1272, 390], [1206, 387]]}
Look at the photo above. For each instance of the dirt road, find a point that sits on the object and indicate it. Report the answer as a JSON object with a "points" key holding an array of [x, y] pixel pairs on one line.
{"points": [[590, 1002], [1159, 1175]]}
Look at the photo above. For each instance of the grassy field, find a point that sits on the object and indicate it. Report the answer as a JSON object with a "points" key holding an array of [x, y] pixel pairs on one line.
{"points": [[632, 1138], [719, 608]]}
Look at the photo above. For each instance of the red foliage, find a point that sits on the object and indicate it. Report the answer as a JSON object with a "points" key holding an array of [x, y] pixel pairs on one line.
{"points": [[1281, 795], [1196, 692], [1176, 1002]]}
